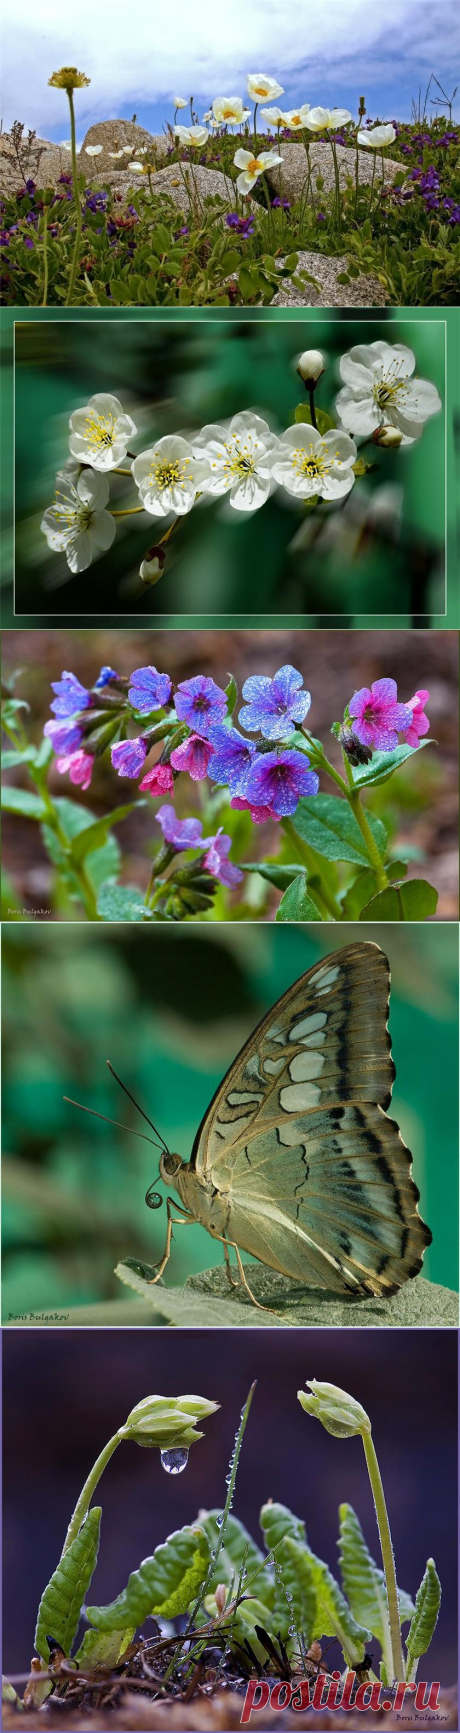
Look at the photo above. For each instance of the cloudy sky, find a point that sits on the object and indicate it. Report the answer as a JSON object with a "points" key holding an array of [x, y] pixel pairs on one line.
{"points": [[139, 57]]}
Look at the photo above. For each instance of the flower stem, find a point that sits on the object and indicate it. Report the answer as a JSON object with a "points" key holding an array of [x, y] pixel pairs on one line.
{"points": [[77, 201], [387, 1555], [338, 211], [45, 257], [307, 856], [255, 128], [89, 1488], [311, 398], [360, 816], [128, 512]]}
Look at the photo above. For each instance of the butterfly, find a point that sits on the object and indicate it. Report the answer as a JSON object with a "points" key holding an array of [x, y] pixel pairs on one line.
{"points": [[296, 1160]]}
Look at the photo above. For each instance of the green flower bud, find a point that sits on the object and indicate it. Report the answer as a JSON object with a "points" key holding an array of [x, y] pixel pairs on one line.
{"points": [[340, 1413], [167, 1422]]}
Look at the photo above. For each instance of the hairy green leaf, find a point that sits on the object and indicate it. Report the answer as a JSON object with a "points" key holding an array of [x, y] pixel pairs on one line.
{"points": [[62, 1600], [24, 755], [383, 764], [19, 800], [164, 1584], [298, 1603], [276, 1521], [329, 826], [297, 905], [95, 833], [278, 875], [334, 1617], [427, 1604], [121, 903], [102, 1649], [411, 901], [364, 1584]]}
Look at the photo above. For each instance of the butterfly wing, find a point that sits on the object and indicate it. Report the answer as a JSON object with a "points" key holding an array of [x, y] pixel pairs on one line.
{"points": [[317, 1179]]}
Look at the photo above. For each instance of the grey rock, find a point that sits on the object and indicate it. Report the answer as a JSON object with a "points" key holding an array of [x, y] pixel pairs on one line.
{"points": [[204, 183], [294, 168], [359, 292], [112, 134]]}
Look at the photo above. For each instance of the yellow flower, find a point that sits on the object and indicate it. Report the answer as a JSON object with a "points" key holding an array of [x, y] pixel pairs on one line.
{"points": [[68, 79]]}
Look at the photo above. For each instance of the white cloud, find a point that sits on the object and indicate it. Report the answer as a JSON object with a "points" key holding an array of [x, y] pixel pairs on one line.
{"points": [[143, 57]]}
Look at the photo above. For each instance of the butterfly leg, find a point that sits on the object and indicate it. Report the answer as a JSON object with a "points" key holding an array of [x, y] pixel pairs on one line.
{"points": [[245, 1282], [234, 1282], [173, 1221]]}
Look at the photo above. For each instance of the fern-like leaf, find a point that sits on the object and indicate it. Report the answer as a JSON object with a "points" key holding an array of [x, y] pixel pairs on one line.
{"points": [[427, 1604], [61, 1603], [165, 1584]]}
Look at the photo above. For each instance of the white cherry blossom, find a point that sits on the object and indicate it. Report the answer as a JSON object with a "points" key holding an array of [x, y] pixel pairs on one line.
{"points": [[379, 388], [169, 476], [101, 432], [239, 458], [77, 524], [253, 166], [262, 88], [378, 136], [308, 462]]}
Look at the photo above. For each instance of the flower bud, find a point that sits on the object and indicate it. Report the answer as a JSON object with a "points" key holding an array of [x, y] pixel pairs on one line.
{"points": [[389, 437], [354, 749], [221, 1597], [152, 566], [167, 1422], [339, 1413], [310, 366]]}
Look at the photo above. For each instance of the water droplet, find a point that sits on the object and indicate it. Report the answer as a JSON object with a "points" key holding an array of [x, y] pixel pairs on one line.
{"points": [[219, 1520], [174, 1461]]}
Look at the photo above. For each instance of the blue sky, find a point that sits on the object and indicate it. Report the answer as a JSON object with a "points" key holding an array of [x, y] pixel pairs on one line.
{"points": [[139, 59]]}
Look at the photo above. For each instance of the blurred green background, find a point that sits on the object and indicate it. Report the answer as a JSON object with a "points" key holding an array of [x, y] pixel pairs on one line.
{"points": [[177, 373], [170, 1007], [419, 806]]}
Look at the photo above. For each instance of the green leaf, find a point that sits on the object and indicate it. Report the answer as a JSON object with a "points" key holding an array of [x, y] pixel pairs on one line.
{"points": [[412, 901], [324, 421], [298, 1603], [44, 754], [278, 875], [96, 832], [164, 1585], [296, 905], [290, 262], [238, 1545], [61, 1603], [103, 865], [121, 903], [276, 1521], [231, 692], [328, 824], [383, 764], [11, 705], [364, 886], [19, 800], [364, 1584], [103, 1649], [25, 755], [334, 1617], [427, 1604]]}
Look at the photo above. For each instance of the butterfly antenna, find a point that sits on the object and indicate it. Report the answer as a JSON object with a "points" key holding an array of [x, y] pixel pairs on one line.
{"points": [[116, 1122], [161, 1142]]}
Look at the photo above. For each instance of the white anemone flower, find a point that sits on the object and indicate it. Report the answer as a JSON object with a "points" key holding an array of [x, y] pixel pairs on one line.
{"points": [[330, 119], [207, 116], [77, 524], [194, 135], [100, 433], [378, 387], [169, 476], [239, 459], [308, 462], [180, 102], [93, 149], [253, 166], [229, 110], [262, 88], [378, 136], [115, 153], [66, 144], [296, 118], [274, 116]]}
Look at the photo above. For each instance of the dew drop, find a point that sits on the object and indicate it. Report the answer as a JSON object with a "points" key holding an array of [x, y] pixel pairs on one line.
{"points": [[219, 1519], [174, 1461]]}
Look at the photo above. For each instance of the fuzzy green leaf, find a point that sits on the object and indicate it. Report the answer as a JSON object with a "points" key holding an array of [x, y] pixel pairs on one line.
{"points": [[164, 1584], [231, 693], [238, 1543], [427, 1604], [364, 1583], [413, 901], [297, 905], [276, 1521], [24, 755], [102, 1649], [20, 801], [383, 764], [334, 1617], [94, 834], [121, 903], [62, 1600], [298, 1604], [281, 876], [329, 826]]}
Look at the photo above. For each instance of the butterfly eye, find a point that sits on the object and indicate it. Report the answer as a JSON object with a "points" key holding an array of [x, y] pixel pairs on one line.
{"points": [[153, 1198]]}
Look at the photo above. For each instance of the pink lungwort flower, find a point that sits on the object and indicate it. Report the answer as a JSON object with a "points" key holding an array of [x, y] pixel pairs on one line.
{"points": [[77, 765], [259, 814], [193, 755], [419, 722], [377, 716], [159, 780], [181, 833], [216, 860]]}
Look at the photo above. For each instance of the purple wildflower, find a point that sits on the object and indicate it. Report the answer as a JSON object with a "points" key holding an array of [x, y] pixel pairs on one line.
{"points": [[181, 833], [241, 225], [232, 757], [65, 180], [104, 676], [377, 716], [279, 780], [193, 755], [216, 860], [70, 695], [419, 721], [274, 705], [259, 814], [64, 736], [149, 690], [200, 703], [128, 756], [281, 204], [28, 242]]}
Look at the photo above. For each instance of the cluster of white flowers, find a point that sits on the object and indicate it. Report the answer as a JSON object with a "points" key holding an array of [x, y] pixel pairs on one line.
{"points": [[230, 111], [244, 460]]}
